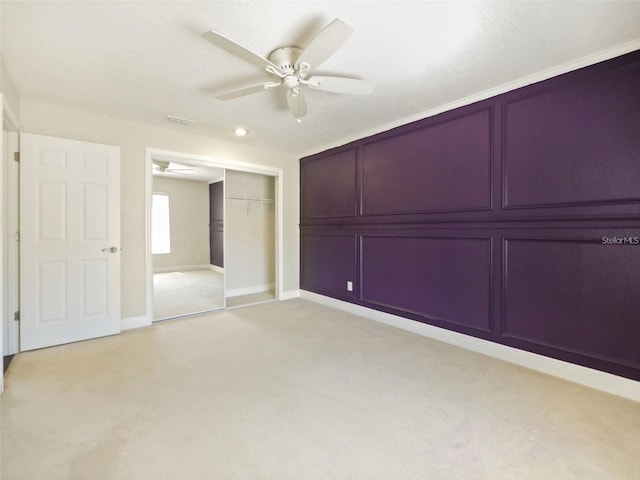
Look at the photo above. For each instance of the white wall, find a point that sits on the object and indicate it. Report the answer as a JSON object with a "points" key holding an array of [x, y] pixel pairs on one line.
{"points": [[249, 262], [188, 222], [8, 89], [133, 138]]}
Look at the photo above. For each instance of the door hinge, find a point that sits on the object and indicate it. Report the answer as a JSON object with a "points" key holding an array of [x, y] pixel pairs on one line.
{"points": [[16, 156], [16, 236], [16, 316]]}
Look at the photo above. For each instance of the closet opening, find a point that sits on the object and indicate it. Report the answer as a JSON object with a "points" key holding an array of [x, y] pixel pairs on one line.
{"points": [[213, 234]]}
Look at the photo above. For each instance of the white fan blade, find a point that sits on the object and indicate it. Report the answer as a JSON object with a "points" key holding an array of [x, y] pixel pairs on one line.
{"points": [[241, 92], [349, 86], [238, 50], [325, 44], [297, 104]]}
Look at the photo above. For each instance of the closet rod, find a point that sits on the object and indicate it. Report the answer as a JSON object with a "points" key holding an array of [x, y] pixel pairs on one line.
{"points": [[251, 199]]}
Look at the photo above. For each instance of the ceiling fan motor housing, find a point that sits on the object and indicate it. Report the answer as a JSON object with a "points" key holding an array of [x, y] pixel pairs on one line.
{"points": [[162, 165], [285, 58]]}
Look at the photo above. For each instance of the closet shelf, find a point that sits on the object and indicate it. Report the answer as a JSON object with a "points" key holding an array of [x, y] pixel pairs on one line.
{"points": [[251, 199], [244, 205]]}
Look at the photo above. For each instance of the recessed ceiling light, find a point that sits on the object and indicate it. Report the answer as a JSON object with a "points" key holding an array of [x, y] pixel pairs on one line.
{"points": [[240, 131]]}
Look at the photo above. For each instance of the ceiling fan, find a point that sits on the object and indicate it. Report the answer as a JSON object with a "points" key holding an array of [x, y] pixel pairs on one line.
{"points": [[291, 67], [162, 166]]}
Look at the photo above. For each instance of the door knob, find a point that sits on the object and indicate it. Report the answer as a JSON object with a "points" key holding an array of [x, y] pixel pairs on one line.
{"points": [[110, 250]]}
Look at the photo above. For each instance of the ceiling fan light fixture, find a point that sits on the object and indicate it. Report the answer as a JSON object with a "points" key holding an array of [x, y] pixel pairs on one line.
{"points": [[240, 131], [291, 65]]}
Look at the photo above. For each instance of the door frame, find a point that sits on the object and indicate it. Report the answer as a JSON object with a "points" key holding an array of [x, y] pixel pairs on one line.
{"points": [[275, 172], [8, 211], [10, 263]]}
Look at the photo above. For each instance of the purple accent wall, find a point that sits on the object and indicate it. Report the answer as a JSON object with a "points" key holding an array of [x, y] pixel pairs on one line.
{"points": [[575, 144], [424, 171], [328, 263], [574, 294], [329, 188], [515, 219], [445, 280]]}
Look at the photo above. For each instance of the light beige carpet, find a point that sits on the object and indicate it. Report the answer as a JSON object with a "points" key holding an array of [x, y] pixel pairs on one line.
{"points": [[295, 390], [186, 292], [250, 299]]}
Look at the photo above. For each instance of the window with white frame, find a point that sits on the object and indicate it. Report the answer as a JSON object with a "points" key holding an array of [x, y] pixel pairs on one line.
{"points": [[160, 231]]}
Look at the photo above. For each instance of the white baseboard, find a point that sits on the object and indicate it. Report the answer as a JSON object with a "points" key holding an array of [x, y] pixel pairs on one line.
{"points": [[216, 268], [182, 268], [235, 292], [289, 294], [134, 322], [588, 377]]}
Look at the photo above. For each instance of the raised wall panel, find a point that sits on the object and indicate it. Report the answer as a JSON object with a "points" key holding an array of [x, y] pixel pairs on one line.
{"points": [[576, 295], [328, 262], [96, 163], [216, 241], [216, 224], [445, 279], [96, 212], [51, 293], [52, 210], [95, 275], [444, 167], [575, 145], [328, 186], [52, 159]]}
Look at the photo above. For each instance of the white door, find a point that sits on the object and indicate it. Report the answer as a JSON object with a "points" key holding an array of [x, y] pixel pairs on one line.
{"points": [[69, 241]]}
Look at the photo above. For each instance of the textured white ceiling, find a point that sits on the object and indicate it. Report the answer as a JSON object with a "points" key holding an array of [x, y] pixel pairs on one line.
{"points": [[143, 60]]}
